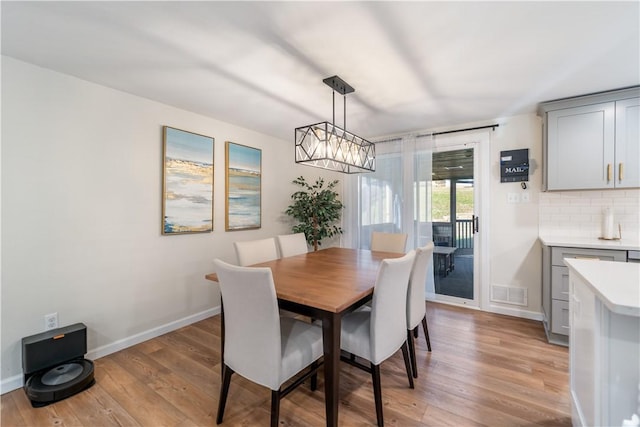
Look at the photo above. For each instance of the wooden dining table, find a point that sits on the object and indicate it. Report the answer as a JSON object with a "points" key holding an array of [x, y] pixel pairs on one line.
{"points": [[325, 285]]}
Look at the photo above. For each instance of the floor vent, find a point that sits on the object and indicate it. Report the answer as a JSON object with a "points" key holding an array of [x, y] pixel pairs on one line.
{"points": [[509, 295]]}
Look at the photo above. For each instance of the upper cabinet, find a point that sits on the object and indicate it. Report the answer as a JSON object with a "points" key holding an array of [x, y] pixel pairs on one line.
{"points": [[593, 141], [627, 152]]}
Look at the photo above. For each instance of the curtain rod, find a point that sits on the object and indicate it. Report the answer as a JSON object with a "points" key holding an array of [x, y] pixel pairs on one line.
{"points": [[399, 138], [493, 127]]}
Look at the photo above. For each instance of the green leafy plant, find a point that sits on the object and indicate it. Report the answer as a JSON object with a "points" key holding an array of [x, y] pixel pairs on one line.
{"points": [[317, 210]]}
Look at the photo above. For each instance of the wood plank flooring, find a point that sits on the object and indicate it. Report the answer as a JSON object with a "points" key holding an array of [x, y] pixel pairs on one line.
{"points": [[484, 370]]}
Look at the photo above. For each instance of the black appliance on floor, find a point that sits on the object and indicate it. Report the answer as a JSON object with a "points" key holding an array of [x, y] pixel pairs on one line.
{"points": [[54, 365]]}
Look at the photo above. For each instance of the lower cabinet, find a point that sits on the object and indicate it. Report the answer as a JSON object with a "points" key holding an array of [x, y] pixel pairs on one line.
{"points": [[604, 384], [560, 317], [555, 286]]}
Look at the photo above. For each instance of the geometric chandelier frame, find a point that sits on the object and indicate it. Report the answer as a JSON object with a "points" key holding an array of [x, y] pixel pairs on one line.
{"points": [[325, 145]]}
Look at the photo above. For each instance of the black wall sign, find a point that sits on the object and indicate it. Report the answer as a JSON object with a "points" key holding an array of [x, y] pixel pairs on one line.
{"points": [[514, 165]]}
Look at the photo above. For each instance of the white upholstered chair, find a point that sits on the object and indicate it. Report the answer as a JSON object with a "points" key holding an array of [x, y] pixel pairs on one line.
{"points": [[388, 242], [377, 334], [416, 310], [292, 244], [260, 345], [256, 251]]}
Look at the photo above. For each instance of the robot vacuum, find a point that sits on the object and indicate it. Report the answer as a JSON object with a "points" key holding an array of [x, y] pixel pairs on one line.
{"points": [[54, 365]]}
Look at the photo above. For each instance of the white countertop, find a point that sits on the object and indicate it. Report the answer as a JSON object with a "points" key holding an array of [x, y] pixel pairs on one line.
{"points": [[625, 244], [617, 284]]}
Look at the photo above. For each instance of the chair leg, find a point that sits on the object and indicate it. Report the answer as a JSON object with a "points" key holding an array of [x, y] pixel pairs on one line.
{"points": [[275, 407], [426, 332], [412, 353], [224, 391], [407, 364], [377, 393], [221, 336]]}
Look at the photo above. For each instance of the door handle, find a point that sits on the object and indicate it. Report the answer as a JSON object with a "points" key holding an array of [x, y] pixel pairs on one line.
{"points": [[608, 172], [476, 224]]}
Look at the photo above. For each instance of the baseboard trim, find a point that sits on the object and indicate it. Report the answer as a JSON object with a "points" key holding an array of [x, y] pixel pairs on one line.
{"points": [[515, 312], [13, 383], [16, 381], [507, 311]]}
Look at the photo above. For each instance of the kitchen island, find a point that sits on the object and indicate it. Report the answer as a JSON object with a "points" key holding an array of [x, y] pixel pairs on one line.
{"points": [[604, 347]]}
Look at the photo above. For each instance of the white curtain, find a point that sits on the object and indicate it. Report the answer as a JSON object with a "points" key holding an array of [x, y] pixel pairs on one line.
{"points": [[396, 197]]}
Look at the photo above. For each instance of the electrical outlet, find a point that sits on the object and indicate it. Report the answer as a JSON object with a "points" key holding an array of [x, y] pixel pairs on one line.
{"points": [[50, 321], [513, 198], [526, 198]]}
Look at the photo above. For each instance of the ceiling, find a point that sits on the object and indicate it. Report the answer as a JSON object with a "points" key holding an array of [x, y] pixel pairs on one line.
{"points": [[456, 164], [414, 65]]}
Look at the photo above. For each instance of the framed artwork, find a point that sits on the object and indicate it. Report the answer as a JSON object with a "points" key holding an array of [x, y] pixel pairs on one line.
{"points": [[244, 187], [187, 182]]}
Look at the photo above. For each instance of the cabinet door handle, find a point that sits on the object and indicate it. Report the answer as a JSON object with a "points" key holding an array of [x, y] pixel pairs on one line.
{"points": [[608, 172], [620, 171]]}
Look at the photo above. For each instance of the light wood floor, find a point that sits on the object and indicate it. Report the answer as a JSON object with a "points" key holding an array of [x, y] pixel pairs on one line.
{"points": [[485, 369]]}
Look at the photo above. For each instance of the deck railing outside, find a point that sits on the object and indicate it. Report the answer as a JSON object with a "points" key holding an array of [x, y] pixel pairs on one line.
{"points": [[464, 233], [445, 235]]}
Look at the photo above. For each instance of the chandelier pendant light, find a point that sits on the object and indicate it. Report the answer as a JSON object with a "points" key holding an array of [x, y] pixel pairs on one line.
{"points": [[325, 145]]}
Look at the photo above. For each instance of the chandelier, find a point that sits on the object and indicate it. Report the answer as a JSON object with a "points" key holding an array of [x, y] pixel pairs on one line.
{"points": [[325, 145]]}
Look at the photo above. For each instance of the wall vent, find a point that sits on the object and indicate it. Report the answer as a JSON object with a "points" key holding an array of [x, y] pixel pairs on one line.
{"points": [[509, 295]]}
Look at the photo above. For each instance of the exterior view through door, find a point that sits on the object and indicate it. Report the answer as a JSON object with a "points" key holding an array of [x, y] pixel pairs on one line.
{"points": [[454, 222]]}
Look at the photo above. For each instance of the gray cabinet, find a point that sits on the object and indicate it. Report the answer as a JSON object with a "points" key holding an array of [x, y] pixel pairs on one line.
{"points": [[627, 151], [555, 286], [592, 142]]}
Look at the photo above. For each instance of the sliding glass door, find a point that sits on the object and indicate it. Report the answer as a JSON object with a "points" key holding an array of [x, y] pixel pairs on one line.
{"points": [[431, 189], [455, 222]]}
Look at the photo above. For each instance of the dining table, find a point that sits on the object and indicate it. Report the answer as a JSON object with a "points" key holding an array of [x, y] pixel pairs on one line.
{"points": [[325, 285]]}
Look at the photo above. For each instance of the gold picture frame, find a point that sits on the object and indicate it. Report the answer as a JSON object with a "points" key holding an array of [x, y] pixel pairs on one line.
{"points": [[187, 182], [243, 195]]}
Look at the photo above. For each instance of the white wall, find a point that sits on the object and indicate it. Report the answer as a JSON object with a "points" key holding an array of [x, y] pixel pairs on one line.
{"points": [[515, 252], [81, 213], [511, 254]]}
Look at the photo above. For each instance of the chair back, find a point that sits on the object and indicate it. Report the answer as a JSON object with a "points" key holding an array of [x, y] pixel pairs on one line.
{"points": [[251, 323], [389, 306], [415, 295], [292, 244], [256, 251], [388, 242]]}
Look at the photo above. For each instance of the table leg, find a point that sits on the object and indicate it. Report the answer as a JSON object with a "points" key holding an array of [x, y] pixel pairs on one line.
{"points": [[447, 264], [331, 342]]}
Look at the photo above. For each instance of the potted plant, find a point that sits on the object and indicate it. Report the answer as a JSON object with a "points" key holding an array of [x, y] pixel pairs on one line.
{"points": [[317, 209]]}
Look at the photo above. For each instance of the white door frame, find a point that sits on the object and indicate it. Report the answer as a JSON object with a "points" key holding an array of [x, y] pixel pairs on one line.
{"points": [[480, 142]]}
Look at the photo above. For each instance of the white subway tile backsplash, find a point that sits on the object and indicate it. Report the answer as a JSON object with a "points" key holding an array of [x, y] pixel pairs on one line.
{"points": [[630, 209], [602, 202], [570, 209], [579, 213], [592, 210], [633, 201]]}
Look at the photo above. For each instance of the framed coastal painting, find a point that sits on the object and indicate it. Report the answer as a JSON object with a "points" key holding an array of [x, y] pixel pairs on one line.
{"points": [[187, 182], [244, 187]]}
